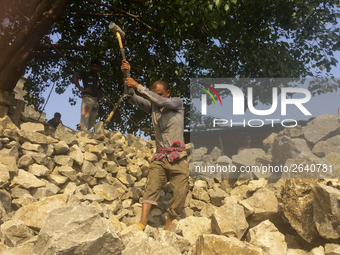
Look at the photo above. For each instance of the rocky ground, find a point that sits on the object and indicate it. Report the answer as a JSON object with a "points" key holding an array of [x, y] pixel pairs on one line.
{"points": [[76, 193]]}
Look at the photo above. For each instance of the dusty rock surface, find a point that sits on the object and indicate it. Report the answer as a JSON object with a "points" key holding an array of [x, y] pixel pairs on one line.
{"points": [[80, 192]]}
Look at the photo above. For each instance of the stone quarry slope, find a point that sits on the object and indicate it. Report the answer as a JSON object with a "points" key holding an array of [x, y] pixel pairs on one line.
{"points": [[79, 193]]}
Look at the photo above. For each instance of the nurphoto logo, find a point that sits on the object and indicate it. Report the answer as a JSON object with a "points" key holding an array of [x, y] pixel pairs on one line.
{"points": [[239, 102], [215, 88]]}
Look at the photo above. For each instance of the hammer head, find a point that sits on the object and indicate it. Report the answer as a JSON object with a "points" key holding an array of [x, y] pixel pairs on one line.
{"points": [[115, 28]]}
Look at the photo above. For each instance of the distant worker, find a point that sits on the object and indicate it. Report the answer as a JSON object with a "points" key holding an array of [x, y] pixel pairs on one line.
{"points": [[245, 143], [55, 121], [92, 92]]}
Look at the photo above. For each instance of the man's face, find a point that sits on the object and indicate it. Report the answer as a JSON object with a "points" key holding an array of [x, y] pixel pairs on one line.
{"points": [[159, 90], [95, 68]]}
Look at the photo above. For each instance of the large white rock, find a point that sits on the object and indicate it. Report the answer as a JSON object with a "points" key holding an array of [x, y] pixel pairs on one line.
{"points": [[31, 126], [32, 147], [6, 123], [248, 157], [321, 128], [296, 252], [4, 175], [23, 200], [332, 249], [77, 230], [39, 170], [326, 211], [285, 147], [178, 242], [317, 251], [89, 168], [297, 206], [129, 233], [62, 134], [268, 142], [34, 215], [229, 220], [34, 137], [68, 171], [15, 232], [63, 160], [25, 161], [61, 147], [125, 178], [265, 205], [142, 244], [267, 237], [76, 154], [200, 194], [326, 147], [192, 227], [10, 162], [27, 180], [106, 191], [222, 245]]}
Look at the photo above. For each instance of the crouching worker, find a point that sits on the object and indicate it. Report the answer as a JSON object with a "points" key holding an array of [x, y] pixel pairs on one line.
{"points": [[169, 163], [56, 120]]}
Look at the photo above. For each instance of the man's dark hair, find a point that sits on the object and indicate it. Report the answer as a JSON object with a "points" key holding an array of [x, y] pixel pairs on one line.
{"points": [[164, 84], [96, 61], [57, 114]]}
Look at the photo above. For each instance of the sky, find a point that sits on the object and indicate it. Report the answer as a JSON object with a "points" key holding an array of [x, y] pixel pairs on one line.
{"points": [[70, 115]]}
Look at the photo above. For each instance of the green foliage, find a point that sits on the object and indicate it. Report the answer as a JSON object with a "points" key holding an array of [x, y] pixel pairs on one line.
{"points": [[174, 40]]}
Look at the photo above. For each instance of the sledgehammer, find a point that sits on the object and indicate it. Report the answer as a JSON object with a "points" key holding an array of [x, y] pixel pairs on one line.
{"points": [[119, 34]]}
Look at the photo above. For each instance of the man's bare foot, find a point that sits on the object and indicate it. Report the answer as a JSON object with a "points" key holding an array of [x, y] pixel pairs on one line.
{"points": [[143, 222], [168, 222], [145, 212]]}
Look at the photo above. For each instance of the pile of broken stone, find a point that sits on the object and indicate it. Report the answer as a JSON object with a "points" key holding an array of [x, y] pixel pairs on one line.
{"points": [[78, 192]]}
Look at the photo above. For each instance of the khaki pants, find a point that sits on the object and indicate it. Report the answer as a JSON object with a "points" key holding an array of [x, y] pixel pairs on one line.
{"points": [[177, 173], [88, 113]]}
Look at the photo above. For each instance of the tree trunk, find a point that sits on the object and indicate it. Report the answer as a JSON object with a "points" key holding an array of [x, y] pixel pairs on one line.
{"points": [[16, 54]]}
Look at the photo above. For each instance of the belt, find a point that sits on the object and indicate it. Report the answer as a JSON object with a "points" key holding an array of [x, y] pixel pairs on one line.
{"points": [[94, 98]]}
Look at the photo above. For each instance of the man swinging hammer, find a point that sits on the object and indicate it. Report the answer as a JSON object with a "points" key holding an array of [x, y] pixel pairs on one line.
{"points": [[169, 163]]}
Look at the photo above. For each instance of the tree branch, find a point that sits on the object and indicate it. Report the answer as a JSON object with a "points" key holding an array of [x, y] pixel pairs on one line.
{"points": [[95, 14], [55, 57], [125, 12], [14, 58], [138, 1], [70, 47]]}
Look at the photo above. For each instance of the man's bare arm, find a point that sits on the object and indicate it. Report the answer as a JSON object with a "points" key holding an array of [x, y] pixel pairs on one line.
{"points": [[75, 79]]}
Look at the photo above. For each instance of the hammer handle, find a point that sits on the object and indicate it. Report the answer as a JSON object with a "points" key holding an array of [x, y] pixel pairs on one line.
{"points": [[127, 72], [127, 90], [119, 40]]}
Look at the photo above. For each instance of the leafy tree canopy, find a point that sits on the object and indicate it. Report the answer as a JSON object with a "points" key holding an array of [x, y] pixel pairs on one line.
{"points": [[174, 40]]}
